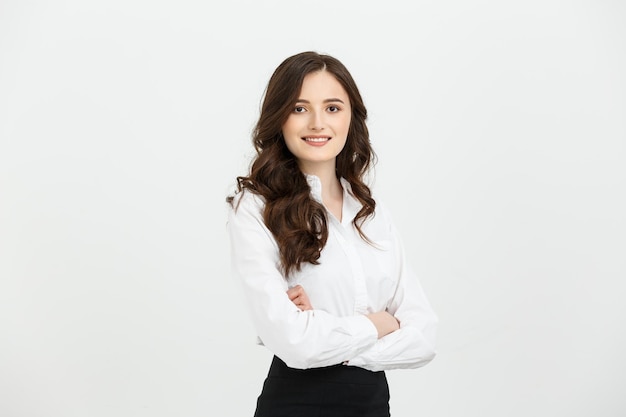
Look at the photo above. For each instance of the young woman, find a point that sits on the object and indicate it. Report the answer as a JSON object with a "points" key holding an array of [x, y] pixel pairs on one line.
{"points": [[321, 264]]}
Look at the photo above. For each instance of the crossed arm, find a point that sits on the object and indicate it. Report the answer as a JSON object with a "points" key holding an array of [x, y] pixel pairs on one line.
{"points": [[385, 323]]}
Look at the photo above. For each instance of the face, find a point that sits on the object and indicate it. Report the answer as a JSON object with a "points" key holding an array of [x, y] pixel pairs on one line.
{"points": [[316, 130]]}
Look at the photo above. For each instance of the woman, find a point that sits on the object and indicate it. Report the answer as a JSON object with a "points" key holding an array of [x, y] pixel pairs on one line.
{"points": [[320, 262]]}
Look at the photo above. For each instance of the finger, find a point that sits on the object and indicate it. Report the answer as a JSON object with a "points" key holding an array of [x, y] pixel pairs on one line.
{"points": [[295, 292]]}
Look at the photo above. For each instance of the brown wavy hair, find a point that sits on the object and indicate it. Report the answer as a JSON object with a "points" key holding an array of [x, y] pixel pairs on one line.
{"points": [[297, 221]]}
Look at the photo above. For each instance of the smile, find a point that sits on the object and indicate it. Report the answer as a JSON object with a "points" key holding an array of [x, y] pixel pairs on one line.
{"points": [[316, 139]]}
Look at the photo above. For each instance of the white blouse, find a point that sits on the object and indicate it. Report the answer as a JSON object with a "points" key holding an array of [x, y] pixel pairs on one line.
{"points": [[353, 279]]}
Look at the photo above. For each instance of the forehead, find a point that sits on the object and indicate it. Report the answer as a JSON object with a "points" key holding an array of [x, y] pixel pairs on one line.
{"points": [[322, 85]]}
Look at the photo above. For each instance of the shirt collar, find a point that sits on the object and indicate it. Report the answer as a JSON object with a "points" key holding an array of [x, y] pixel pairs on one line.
{"points": [[316, 186], [351, 205]]}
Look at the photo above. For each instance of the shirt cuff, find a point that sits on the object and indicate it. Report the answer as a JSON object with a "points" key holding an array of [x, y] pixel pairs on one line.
{"points": [[364, 326], [367, 334]]}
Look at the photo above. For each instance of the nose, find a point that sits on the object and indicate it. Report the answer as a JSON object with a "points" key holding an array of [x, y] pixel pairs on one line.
{"points": [[316, 121]]}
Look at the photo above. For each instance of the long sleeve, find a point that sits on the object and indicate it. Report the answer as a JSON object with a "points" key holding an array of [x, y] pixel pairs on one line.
{"points": [[411, 346], [303, 339]]}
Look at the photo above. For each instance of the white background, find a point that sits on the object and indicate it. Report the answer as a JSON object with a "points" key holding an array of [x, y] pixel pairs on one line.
{"points": [[501, 134]]}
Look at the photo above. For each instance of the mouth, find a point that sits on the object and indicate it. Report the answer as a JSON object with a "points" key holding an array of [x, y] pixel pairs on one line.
{"points": [[316, 139]]}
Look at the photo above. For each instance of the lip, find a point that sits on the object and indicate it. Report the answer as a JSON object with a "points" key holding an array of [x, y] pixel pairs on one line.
{"points": [[316, 140]]}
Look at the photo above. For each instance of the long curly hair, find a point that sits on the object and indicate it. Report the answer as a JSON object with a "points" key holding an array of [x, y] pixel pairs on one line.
{"points": [[298, 222]]}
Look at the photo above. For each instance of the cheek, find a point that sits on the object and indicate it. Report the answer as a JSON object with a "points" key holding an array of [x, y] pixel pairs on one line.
{"points": [[290, 135], [287, 127], [347, 122]]}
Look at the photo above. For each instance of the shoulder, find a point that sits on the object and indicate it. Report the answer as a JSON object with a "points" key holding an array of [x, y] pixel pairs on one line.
{"points": [[382, 211], [379, 226], [246, 204], [247, 199], [381, 207], [246, 221]]}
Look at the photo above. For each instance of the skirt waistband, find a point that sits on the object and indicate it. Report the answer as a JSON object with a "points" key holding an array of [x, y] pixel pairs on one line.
{"points": [[335, 373]]}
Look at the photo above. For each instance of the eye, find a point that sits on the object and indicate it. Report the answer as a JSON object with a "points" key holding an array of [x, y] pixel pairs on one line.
{"points": [[299, 109], [333, 109]]}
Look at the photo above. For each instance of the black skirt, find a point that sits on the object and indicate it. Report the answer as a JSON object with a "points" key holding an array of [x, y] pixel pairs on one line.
{"points": [[333, 391]]}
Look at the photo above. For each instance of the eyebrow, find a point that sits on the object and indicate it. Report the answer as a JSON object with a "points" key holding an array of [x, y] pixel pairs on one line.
{"points": [[328, 100]]}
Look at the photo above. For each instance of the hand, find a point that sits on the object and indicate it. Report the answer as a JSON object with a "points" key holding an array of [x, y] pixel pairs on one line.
{"points": [[385, 323], [299, 297]]}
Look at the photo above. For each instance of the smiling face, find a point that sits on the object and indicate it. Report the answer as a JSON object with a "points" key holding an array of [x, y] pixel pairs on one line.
{"points": [[316, 130]]}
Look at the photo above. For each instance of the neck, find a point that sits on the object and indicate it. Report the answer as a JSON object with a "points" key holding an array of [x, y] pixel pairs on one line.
{"points": [[331, 187]]}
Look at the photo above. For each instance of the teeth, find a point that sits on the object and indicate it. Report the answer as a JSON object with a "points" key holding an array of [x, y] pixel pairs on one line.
{"points": [[316, 139]]}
